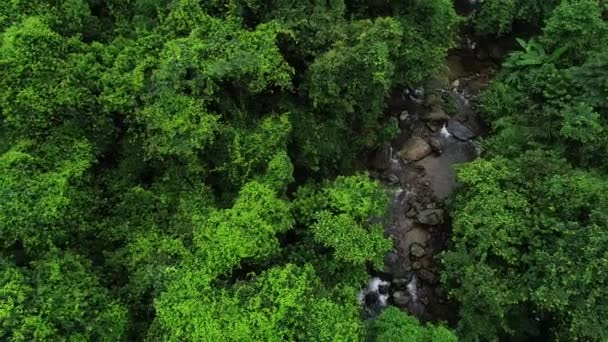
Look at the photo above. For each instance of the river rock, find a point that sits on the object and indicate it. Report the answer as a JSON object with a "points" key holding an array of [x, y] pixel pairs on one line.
{"points": [[441, 81], [391, 262], [415, 149], [435, 145], [382, 157], [428, 276], [432, 99], [411, 213], [392, 178], [436, 114], [417, 250], [401, 298], [430, 217], [417, 93], [399, 283], [416, 265], [460, 131]]}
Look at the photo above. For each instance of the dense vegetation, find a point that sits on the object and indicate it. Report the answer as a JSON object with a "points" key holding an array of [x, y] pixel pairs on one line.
{"points": [[146, 151], [188, 170], [529, 255]]}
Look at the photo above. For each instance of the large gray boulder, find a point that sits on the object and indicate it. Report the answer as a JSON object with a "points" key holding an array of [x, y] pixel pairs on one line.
{"points": [[460, 131], [415, 149], [430, 217], [437, 113]]}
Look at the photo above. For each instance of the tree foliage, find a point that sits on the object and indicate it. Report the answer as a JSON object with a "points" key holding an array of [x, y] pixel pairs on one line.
{"points": [[179, 169], [530, 222], [394, 325], [57, 298]]}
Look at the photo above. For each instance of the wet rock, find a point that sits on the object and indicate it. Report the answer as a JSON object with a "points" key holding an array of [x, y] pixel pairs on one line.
{"points": [[438, 82], [436, 114], [417, 250], [391, 262], [415, 149], [417, 93], [433, 126], [401, 298], [432, 99], [416, 265], [382, 157], [400, 283], [392, 178], [404, 115], [428, 276], [427, 262], [430, 217], [459, 130], [411, 213], [455, 67], [435, 145]]}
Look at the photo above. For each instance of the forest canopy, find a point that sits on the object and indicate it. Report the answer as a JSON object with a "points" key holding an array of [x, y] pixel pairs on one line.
{"points": [[150, 150], [192, 170]]}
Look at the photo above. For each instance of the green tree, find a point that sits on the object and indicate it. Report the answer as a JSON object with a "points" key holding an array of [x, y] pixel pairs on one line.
{"points": [[58, 298], [519, 258], [577, 25], [285, 303], [43, 191], [340, 216], [395, 325]]}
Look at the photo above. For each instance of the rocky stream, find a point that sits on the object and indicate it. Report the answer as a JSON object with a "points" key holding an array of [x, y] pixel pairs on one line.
{"points": [[439, 125]]}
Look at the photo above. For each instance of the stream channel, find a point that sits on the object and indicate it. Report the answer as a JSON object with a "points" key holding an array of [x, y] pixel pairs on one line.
{"points": [[439, 125]]}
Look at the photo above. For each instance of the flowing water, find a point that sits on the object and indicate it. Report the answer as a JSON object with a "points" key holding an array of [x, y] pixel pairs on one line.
{"points": [[419, 192]]}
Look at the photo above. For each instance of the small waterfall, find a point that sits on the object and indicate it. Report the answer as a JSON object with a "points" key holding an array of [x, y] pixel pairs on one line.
{"points": [[394, 159], [412, 288], [375, 296], [444, 132]]}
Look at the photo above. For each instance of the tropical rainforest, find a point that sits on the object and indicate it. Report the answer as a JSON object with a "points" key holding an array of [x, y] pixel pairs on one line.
{"points": [[196, 170]]}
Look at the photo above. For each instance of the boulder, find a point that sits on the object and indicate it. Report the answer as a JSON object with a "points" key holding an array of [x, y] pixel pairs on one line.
{"points": [[400, 283], [428, 277], [417, 250], [432, 99], [435, 145], [401, 298], [436, 114], [460, 131], [415, 149], [438, 82], [382, 157], [430, 217]]}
